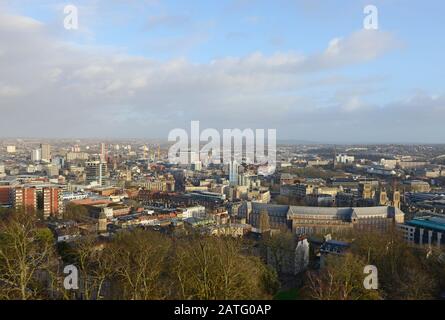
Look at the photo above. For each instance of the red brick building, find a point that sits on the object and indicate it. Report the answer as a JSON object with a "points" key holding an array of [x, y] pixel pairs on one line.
{"points": [[52, 202], [24, 198], [5, 195]]}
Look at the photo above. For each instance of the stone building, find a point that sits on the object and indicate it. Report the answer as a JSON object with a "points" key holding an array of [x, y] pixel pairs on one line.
{"points": [[322, 220]]}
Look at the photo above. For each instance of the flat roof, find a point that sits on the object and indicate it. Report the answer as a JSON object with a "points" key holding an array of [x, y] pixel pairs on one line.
{"points": [[426, 223]]}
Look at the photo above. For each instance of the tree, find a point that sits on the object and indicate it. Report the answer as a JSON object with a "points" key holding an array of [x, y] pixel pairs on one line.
{"points": [[280, 250], [95, 267], [75, 212], [264, 223], [404, 271], [26, 253], [216, 269], [416, 285], [341, 279], [139, 265]]}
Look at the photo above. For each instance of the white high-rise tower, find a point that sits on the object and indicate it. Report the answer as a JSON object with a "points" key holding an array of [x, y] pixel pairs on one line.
{"points": [[233, 173]]}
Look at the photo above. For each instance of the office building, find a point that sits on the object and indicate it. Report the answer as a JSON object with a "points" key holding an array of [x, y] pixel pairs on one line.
{"points": [[425, 230], [59, 162], [95, 172]]}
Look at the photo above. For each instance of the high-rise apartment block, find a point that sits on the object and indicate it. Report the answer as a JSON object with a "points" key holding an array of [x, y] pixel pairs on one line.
{"points": [[233, 173], [52, 201], [24, 198], [46, 152], [36, 155], [103, 152]]}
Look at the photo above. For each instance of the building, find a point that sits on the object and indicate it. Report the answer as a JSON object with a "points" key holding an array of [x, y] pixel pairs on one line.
{"points": [[425, 230], [366, 190], [277, 214], [344, 159], [389, 163], [332, 247], [10, 149], [412, 164], [233, 173], [318, 163], [103, 152], [46, 152], [332, 191], [164, 183], [312, 220], [322, 220], [51, 170], [320, 200], [293, 190], [102, 222], [52, 201], [58, 161], [381, 171], [95, 172], [197, 166], [416, 186], [72, 156], [36, 155], [194, 212], [5, 195], [259, 195], [248, 180], [24, 197], [6, 186], [346, 199]]}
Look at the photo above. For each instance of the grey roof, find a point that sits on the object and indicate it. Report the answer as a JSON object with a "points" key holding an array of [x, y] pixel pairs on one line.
{"points": [[296, 210], [290, 211], [272, 209], [345, 212], [371, 211]]}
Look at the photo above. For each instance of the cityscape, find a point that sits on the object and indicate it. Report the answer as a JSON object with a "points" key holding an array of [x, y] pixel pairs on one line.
{"points": [[321, 176], [323, 201]]}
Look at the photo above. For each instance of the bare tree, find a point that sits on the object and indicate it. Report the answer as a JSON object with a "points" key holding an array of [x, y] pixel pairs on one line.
{"points": [[139, 265], [26, 252], [215, 268], [280, 251], [341, 279]]}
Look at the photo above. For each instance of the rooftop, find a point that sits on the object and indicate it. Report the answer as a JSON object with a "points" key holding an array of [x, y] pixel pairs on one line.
{"points": [[428, 222]]}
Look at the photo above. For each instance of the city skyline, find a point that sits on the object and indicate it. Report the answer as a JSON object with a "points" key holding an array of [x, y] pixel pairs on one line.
{"points": [[140, 70], [216, 158]]}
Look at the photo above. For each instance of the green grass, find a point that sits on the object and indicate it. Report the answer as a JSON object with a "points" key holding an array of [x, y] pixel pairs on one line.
{"points": [[291, 294]]}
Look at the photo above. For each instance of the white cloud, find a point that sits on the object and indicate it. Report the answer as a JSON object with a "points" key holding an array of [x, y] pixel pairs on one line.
{"points": [[79, 91], [9, 91]]}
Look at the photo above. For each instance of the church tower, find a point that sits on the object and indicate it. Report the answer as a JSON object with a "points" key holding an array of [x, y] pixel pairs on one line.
{"points": [[381, 197], [395, 195], [396, 199]]}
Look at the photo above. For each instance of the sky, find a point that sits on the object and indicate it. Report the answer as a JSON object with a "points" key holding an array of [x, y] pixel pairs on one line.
{"points": [[141, 68]]}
